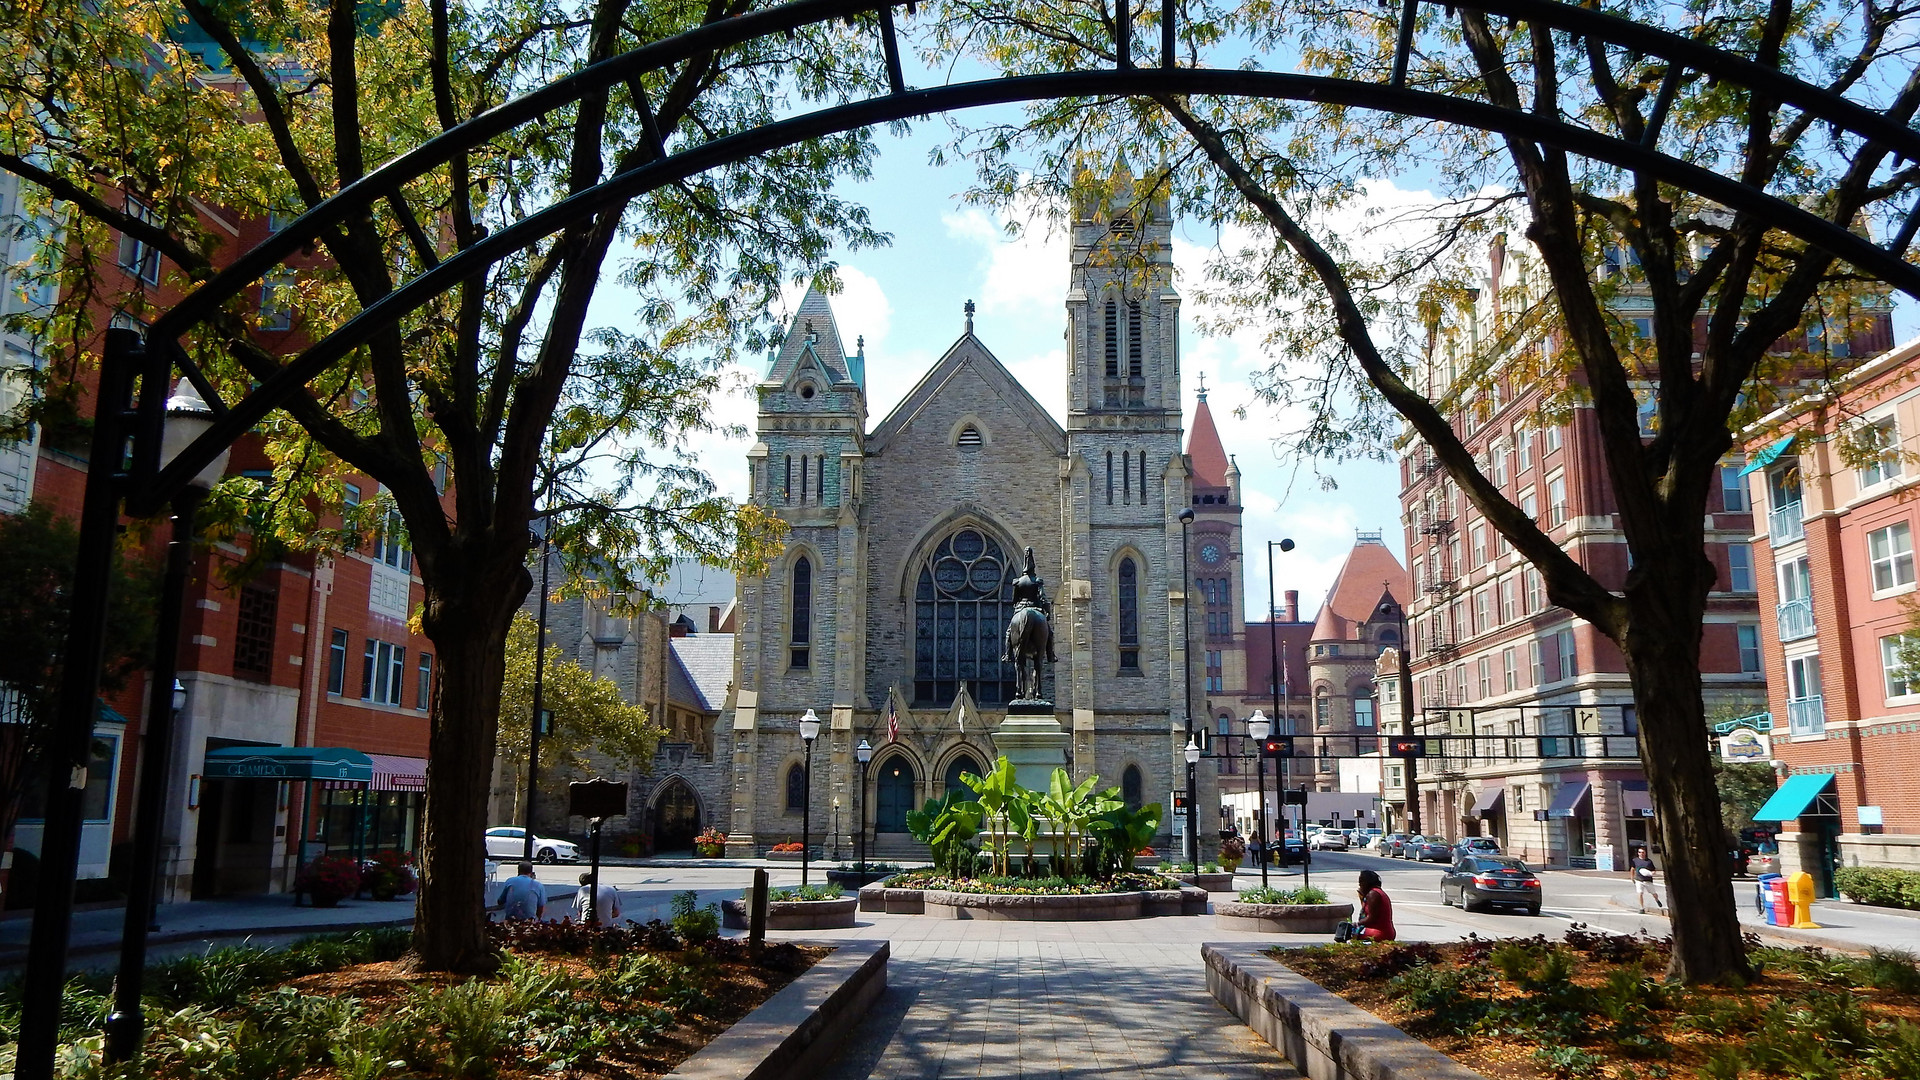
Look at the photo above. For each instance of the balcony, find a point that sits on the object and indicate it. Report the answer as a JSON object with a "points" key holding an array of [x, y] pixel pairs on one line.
{"points": [[1783, 524], [1807, 715], [1796, 619]]}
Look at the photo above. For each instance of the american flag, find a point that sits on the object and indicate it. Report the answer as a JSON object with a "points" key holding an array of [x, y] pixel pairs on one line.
{"points": [[893, 723]]}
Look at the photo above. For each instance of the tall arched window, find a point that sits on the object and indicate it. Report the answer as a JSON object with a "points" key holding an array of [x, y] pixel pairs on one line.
{"points": [[1133, 339], [802, 622], [796, 789], [1363, 712], [1322, 708], [1113, 340], [1129, 616], [961, 606], [1130, 785]]}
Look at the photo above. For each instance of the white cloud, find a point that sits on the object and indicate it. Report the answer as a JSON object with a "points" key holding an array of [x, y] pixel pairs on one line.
{"points": [[1024, 274]]}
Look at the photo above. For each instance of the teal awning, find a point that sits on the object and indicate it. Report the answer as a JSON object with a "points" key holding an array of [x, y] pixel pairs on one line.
{"points": [[1768, 456], [288, 763], [1791, 799]]}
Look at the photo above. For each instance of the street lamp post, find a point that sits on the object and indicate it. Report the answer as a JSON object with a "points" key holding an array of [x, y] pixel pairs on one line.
{"points": [[1258, 726], [539, 685], [809, 731], [187, 416], [1186, 654], [1283, 720], [863, 754]]}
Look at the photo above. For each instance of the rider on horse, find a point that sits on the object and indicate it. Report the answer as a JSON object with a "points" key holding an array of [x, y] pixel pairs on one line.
{"points": [[1029, 594]]}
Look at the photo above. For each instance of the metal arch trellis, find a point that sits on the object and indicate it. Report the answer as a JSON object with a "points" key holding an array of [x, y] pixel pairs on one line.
{"points": [[1888, 263], [146, 486]]}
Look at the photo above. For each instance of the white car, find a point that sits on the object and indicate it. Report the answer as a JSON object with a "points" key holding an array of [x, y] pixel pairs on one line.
{"points": [[510, 843], [1329, 840]]}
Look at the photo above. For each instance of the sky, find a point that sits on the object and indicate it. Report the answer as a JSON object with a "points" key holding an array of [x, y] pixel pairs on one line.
{"points": [[906, 300]]}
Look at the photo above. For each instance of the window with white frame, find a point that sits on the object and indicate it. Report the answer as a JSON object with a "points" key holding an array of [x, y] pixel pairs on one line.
{"points": [[1890, 552], [1553, 438], [1740, 567], [1733, 489], [1522, 449], [1749, 638], [1530, 504], [1363, 712], [137, 257], [1877, 446], [383, 673], [1896, 654], [1480, 553], [1806, 713], [1796, 580], [1536, 662], [1499, 467], [1508, 612], [1481, 606], [1569, 654], [1557, 500], [1486, 677], [1536, 591], [1509, 669]]}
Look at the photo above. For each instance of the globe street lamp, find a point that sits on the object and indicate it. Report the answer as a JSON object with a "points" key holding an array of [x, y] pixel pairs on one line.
{"points": [[863, 754], [809, 731], [1186, 656], [187, 417], [1258, 726]]}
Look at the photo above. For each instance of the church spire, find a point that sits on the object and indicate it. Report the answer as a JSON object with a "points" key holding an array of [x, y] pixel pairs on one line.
{"points": [[1210, 465]]}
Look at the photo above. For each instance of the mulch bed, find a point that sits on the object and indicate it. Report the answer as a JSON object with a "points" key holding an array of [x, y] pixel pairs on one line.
{"points": [[1597, 1006]]}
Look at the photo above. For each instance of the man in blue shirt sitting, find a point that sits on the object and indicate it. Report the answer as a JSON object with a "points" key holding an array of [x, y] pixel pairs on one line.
{"points": [[522, 897]]}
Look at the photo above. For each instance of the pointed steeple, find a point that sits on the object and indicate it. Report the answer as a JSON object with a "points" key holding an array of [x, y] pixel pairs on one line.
{"points": [[813, 330], [1210, 465]]}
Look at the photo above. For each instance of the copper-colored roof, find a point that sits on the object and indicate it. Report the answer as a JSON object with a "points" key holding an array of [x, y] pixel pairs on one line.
{"points": [[1369, 572], [1203, 446]]}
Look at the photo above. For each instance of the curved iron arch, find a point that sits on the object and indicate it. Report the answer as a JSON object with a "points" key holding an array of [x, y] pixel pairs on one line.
{"points": [[902, 103]]}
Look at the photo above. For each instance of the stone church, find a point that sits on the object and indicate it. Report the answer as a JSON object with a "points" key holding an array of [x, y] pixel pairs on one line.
{"points": [[886, 611]]}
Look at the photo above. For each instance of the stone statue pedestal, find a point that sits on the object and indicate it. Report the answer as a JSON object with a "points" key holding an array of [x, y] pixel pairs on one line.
{"points": [[1033, 740]]}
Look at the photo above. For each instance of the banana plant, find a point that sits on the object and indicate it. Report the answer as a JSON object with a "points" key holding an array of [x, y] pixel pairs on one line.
{"points": [[945, 825], [1123, 832], [1071, 807], [995, 792], [1024, 812]]}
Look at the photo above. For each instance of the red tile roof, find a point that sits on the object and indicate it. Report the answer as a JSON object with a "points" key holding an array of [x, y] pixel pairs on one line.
{"points": [[1203, 446], [1369, 572]]}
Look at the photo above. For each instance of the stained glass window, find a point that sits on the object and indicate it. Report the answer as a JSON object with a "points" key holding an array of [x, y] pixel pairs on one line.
{"points": [[961, 607], [1129, 616]]}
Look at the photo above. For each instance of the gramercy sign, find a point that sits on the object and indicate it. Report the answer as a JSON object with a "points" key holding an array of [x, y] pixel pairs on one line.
{"points": [[268, 768]]}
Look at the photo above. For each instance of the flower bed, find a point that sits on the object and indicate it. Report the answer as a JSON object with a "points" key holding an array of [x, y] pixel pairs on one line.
{"points": [[930, 881], [566, 1000], [1595, 1006]]}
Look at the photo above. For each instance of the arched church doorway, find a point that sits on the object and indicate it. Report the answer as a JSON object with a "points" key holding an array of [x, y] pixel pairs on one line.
{"points": [[893, 795], [676, 817], [962, 763]]}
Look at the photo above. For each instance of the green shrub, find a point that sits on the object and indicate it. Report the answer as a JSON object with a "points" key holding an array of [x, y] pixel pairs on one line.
{"points": [[695, 925], [1445, 998], [1262, 894], [1896, 1053], [1569, 1061], [804, 892], [1892, 969], [1883, 886]]}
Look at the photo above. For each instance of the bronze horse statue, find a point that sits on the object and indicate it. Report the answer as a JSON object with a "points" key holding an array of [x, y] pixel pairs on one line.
{"points": [[1029, 633]]}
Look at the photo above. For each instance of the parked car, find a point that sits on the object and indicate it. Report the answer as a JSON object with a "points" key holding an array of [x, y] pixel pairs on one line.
{"points": [[1395, 845], [1329, 840], [509, 842], [1478, 882], [1478, 845], [1430, 849]]}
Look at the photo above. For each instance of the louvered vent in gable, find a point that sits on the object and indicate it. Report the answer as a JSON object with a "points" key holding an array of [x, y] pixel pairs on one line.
{"points": [[969, 438]]}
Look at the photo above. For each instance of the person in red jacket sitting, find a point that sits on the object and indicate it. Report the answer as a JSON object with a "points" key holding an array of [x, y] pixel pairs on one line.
{"points": [[1376, 913]]}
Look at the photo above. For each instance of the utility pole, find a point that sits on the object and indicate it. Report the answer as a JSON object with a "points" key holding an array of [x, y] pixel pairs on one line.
{"points": [[1406, 724], [1282, 719]]}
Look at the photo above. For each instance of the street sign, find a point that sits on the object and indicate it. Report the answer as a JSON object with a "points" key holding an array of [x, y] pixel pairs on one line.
{"points": [[597, 799]]}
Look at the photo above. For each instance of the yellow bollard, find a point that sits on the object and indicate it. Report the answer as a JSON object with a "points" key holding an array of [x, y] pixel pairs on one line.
{"points": [[1800, 895]]}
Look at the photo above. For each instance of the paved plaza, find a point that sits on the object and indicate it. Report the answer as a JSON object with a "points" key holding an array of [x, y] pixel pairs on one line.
{"points": [[1020, 999]]}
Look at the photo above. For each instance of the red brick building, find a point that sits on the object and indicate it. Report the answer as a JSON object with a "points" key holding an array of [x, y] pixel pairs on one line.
{"points": [[1835, 476]]}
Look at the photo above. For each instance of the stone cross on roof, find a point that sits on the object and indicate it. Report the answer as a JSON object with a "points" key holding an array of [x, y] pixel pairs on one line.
{"points": [[969, 310]]}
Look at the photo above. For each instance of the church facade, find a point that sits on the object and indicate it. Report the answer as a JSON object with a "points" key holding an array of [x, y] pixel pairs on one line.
{"points": [[885, 614]]}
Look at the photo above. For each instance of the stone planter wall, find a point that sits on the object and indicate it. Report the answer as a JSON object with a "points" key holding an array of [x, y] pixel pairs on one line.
{"points": [[854, 879], [988, 906], [792, 914], [1325, 1036], [797, 1032], [1281, 918], [1220, 882]]}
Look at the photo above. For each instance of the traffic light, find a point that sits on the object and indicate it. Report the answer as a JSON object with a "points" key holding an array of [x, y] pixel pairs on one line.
{"points": [[1278, 746], [1411, 746], [1179, 804]]}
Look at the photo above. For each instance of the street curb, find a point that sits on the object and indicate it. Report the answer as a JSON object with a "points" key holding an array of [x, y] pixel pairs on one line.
{"points": [[799, 1030], [1325, 1036], [13, 957], [1796, 940]]}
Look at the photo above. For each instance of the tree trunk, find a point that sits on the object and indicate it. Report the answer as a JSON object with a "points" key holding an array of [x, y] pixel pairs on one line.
{"points": [[1662, 650], [467, 620]]}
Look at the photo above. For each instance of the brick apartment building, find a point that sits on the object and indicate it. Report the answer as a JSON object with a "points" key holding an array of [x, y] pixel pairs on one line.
{"points": [[1492, 658], [1835, 476], [287, 661]]}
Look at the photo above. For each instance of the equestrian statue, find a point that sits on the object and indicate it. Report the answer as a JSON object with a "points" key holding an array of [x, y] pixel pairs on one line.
{"points": [[1029, 632]]}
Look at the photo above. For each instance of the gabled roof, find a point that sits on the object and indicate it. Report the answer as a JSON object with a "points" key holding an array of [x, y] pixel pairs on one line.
{"points": [[1357, 590], [968, 353], [814, 331], [702, 670], [1203, 446]]}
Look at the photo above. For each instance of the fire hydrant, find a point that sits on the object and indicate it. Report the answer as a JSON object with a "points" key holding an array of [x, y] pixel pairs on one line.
{"points": [[1800, 895]]}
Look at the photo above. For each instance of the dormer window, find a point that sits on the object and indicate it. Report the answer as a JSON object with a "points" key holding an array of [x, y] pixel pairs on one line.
{"points": [[969, 438]]}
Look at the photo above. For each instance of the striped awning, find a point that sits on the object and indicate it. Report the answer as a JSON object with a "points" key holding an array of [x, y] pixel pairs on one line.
{"points": [[392, 772]]}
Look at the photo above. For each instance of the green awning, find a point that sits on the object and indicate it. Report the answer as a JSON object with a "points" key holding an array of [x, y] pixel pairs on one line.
{"points": [[1768, 456], [1792, 799], [288, 763]]}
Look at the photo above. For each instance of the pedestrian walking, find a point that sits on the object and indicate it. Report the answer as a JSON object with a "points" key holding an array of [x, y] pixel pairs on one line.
{"points": [[1642, 870], [523, 897]]}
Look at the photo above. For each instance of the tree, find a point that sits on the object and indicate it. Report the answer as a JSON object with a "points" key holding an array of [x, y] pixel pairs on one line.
{"points": [[1744, 786], [37, 550], [590, 718], [1349, 326], [505, 393]]}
